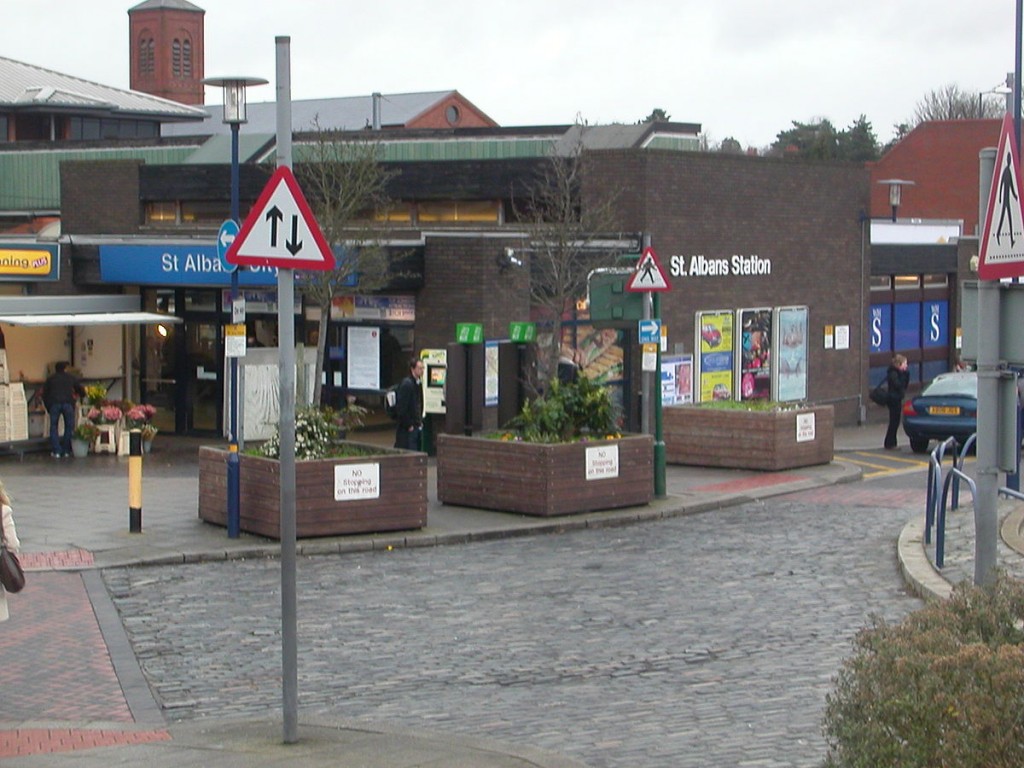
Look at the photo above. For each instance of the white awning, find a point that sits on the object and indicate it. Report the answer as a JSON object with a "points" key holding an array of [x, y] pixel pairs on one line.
{"points": [[90, 318]]}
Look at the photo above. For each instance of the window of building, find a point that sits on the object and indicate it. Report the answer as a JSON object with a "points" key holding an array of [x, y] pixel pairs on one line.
{"points": [[448, 211], [147, 62], [3, 128], [936, 281], [204, 211], [881, 283], [176, 58], [452, 115], [908, 282], [186, 58], [161, 213]]}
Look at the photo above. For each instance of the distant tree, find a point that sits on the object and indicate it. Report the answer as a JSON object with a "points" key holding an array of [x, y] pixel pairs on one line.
{"points": [[814, 141], [900, 130], [347, 190], [657, 115], [730, 146], [951, 103], [858, 143]]}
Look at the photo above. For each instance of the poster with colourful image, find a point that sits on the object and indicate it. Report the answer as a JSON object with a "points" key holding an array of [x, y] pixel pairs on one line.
{"points": [[714, 362], [791, 364], [754, 376]]}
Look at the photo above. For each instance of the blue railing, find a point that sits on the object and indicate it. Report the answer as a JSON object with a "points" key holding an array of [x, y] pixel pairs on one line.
{"points": [[939, 491]]}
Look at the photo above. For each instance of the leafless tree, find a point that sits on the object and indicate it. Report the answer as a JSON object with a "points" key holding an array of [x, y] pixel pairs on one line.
{"points": [[347, 189], [951, 103], [567, 225]]}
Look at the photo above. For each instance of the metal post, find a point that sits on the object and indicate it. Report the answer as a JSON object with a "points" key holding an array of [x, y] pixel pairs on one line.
{"points": [[286, 427], [234, 510], [659, 437], [135, 481], [645, 376]]}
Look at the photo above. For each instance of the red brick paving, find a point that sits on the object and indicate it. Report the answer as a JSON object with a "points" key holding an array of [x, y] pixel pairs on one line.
{"points": [[41, 561], [748, 483], [35, 741], [54, 656]]}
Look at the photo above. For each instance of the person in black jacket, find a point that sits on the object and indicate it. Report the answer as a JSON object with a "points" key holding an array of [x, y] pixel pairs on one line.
{"points": [[897, 379], [59, 394], [409, 408]]}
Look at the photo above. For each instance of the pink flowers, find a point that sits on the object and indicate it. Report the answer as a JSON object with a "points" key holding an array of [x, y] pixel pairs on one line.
{"points": [[107, 414], [139, 415]]}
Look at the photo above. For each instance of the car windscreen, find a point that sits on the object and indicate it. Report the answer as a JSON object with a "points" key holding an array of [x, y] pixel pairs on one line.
{"points": [[953, 385]]}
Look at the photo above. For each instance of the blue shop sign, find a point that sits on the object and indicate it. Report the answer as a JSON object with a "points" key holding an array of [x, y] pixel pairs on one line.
{"points": [[935, 320], [880, 328], [185, 264]]}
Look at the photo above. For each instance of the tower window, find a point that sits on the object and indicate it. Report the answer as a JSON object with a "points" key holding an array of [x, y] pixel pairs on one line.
{"points": [[176, 58], [186, 58], [147, 64]]}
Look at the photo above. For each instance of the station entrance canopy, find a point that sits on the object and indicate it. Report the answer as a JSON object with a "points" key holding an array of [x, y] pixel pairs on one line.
{"points": [[77, 310]]}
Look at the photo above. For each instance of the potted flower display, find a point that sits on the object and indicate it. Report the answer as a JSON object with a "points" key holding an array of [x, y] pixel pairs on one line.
{"points": [[562, 455], [341, 486], [140, 417], [84, 434]]}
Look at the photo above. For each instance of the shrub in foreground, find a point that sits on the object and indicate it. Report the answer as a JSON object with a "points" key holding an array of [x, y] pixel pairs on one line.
{"points": [[945, 687]]}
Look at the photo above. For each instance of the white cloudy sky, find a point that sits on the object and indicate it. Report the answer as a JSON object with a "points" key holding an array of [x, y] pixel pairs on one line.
{"points": [[741, 68]]}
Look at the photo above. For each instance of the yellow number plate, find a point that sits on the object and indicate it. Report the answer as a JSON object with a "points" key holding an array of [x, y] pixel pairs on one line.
{"points": [[944, 410]]}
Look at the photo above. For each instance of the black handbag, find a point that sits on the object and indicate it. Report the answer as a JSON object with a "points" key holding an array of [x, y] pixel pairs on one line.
{"points": [[879, 395], [12, 576]]}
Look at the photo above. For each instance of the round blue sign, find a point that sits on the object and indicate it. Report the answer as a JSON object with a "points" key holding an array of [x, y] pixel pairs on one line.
{"points": [[225, 237]]}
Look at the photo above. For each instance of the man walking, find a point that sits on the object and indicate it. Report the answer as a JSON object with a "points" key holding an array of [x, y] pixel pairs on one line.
{"points": [[59, 393], [409, 408]]}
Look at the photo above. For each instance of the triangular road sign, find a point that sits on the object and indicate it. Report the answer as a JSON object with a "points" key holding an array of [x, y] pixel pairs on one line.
{"points": [[281, 230], [1002, 241], [649, 275]]}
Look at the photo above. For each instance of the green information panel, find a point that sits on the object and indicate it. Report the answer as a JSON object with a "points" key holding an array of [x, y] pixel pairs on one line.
{"points": [[522, 332], [609, 299], [469, 333]]}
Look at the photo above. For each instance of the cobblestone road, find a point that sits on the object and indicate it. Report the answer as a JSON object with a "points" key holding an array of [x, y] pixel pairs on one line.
{"points": [[701, 641]]}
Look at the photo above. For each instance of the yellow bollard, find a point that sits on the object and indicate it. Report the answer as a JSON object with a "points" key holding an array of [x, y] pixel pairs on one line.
{"points": [[135, 481]]}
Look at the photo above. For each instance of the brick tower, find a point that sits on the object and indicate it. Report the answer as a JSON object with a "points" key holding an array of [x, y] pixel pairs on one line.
{"points": [[166, 44]]}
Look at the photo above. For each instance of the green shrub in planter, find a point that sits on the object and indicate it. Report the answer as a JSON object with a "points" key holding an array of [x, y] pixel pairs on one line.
{"points": [[565, 413], [943, 688]]}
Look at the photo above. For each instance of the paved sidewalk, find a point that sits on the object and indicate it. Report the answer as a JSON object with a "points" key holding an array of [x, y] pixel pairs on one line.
{"points": [[72, 516]]}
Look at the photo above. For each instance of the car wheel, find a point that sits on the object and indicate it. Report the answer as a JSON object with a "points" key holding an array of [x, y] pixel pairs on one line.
{"points": [[919, 444]]}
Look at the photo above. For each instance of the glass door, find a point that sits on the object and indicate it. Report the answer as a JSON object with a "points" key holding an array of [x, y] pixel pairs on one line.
{"points": [[203, 385]]}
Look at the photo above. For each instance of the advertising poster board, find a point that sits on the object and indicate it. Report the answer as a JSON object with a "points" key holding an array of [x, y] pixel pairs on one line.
{"points": [[363, 363], [677, 380], [716, 351], [791, 359], [754, 371]]}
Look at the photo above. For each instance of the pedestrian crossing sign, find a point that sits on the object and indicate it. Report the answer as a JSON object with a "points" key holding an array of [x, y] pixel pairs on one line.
{"points": [[1001, 252], [649, 275]]}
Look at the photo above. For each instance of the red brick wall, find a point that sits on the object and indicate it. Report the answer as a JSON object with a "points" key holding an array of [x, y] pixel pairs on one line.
{"points": [[803, 218], [100, 198]]}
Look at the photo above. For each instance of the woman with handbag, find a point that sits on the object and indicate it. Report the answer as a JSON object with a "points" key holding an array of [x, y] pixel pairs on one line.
{"points": [[897, 380], [10, 541]]}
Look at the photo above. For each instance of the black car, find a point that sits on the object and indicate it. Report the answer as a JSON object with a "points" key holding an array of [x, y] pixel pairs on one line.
{"points": [[948, 407]]}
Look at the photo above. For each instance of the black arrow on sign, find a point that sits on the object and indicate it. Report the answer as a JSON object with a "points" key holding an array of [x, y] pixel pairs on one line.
{"points": [[274, 215], [294, 245]]}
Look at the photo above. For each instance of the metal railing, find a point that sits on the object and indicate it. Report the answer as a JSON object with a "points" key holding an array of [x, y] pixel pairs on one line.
{"points": [[938, 498]]}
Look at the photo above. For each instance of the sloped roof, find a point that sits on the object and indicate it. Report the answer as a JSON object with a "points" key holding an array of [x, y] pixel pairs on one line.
{"points": [[349, 113], [25, 87], [941, 158]]}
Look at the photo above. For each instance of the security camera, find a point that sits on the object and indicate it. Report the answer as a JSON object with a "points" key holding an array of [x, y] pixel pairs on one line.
{"points": [[508, 259]]}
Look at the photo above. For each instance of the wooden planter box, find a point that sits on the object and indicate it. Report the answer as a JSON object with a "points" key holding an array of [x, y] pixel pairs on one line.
{"points": [[715, 437], [545, 480], [401, 488]]}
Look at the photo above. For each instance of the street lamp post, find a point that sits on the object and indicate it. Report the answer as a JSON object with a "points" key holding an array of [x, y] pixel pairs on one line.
{"points": [[896, 192], [233, 89]]}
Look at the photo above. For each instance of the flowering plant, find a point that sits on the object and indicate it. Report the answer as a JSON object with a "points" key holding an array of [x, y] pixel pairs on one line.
{"points": [[105, 414], [138, 416], [568, 412], [315, 433], [95, 394], [85, 430]]}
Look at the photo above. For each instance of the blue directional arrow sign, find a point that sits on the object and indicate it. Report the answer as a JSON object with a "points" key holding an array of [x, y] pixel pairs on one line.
{"points": [[650, 331], [226, 236]]}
